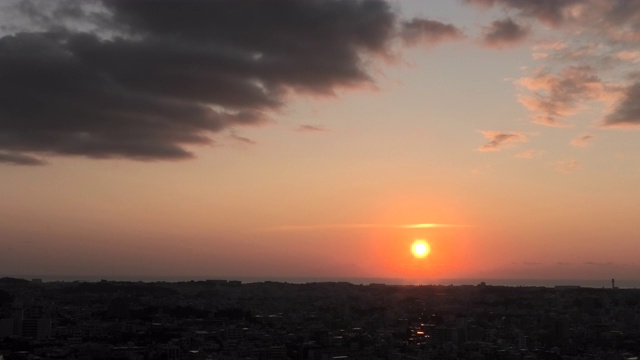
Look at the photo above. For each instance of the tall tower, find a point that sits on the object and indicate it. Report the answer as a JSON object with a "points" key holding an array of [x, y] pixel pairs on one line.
{"points": [[613, 283]]}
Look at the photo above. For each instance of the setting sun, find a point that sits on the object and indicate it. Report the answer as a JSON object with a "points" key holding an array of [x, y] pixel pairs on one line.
{"points": [[420, 248]]}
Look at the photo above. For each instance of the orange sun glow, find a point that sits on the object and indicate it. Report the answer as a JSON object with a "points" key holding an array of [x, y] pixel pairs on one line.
{"points": [[420, 248]]}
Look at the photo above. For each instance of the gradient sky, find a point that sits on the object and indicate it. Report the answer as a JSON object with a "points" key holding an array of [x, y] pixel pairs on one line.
{"points": [[294, 138]]}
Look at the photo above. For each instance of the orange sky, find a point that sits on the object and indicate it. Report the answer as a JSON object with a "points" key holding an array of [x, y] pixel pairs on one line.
{"points": [[512, 125]]}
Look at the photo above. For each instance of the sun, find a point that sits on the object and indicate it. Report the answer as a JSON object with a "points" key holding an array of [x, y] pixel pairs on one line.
{"points": [[420, 248]]}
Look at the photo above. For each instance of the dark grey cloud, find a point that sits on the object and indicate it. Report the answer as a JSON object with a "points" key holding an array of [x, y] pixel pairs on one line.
{"points": [[626, 15], [503, 33], [41, 15], [627, 111], [52, 100], [428, 31], [312, 45], [146, 79]]}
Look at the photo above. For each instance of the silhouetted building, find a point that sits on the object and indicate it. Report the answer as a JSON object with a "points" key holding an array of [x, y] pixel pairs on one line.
{"points": [[39, 329]]}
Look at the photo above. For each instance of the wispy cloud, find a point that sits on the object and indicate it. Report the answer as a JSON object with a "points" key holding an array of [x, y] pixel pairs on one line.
{"points": [[19, 159], [305, 128], [549, 45], [582, 141], [628, 55], [543, 50], [286, 228], [567, 166], [427, 226], [595, 263], [241, 139], [429, 32], [532, 263], [498, 140], [479, 169], [529, 154]]}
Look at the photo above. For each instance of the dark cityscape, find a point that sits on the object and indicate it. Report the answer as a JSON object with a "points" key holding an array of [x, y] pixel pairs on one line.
{"points": [[220, 319]]}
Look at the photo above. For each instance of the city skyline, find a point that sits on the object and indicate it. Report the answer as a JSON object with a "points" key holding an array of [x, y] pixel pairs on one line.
{"points": [[320, 139]]}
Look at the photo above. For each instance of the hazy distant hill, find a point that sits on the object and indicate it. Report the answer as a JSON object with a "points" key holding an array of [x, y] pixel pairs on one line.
{"points": [[108, 287], [9, 281]]}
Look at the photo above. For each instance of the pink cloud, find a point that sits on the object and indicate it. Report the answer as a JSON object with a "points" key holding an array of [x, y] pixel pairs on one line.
{"points": [[628, 55], [550, 12], [553, 97]]}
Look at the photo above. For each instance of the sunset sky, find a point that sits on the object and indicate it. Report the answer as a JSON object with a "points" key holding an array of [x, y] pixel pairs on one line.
{"points": [[291, 138]]}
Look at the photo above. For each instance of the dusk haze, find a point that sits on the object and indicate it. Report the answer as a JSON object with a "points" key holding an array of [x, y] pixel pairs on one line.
{"points": [[399, 141]]}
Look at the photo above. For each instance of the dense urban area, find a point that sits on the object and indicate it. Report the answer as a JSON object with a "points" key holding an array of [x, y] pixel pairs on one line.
{"points": [[218, 319]]}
